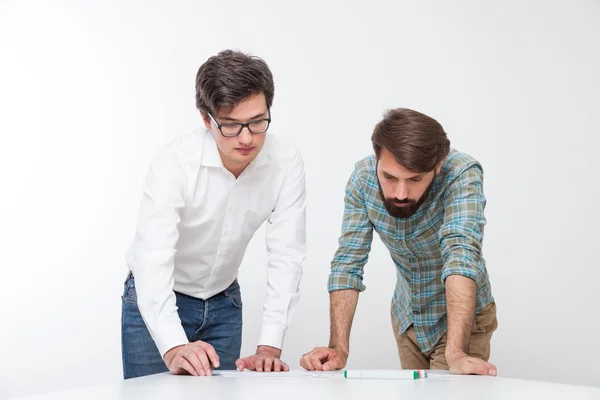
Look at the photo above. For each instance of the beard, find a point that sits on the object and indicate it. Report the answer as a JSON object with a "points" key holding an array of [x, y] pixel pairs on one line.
{"points": [[411, 206]]}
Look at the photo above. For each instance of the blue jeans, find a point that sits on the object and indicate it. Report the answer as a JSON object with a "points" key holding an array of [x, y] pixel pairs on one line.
{"points": [[217, 320]]}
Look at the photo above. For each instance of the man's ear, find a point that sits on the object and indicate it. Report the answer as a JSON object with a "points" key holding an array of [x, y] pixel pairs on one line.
{"points": [[207, 121], [438, 167]]}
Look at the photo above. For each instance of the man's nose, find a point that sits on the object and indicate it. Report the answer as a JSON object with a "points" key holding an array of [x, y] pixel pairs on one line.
{"points": [[401, 192], [245, 136]]}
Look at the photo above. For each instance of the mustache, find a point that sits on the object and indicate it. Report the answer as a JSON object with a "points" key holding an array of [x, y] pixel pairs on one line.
{"points": [[398, 201]]}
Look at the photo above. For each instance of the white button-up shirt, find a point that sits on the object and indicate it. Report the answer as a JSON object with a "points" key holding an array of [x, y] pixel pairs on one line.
{"points": [[196, 220]]}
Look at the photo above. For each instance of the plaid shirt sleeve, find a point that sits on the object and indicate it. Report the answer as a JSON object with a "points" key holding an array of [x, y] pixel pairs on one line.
{"points": [[354, 242], [461, 233]]}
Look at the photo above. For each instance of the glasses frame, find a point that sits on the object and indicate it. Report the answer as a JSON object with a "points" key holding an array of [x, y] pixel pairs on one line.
{"points": [[243, 125]]}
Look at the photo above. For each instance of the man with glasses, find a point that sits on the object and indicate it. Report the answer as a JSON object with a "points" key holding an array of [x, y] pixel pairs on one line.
{"points": [[205, 196]]}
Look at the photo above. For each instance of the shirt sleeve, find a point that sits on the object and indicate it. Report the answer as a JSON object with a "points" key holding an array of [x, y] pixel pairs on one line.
{"points": [[354, 242], [152, 256], [286, 247], [461, 233]]}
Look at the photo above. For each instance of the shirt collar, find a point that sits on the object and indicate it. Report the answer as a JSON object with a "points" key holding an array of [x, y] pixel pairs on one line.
{"points": [[263, 157], [211, 156]]}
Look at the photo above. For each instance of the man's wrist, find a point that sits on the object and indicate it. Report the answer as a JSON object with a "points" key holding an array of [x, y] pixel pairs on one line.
{"points": [[170, 354], [268, 350], [340, 348], [453, 355]]}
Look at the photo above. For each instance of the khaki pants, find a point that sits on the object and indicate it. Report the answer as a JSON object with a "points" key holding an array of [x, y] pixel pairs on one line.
{"points": [[479, 344]]}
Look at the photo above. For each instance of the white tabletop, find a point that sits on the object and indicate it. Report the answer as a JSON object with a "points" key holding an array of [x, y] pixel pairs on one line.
{"points": [[302, 385]]}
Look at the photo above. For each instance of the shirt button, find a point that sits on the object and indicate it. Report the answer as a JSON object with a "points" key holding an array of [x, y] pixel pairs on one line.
{"points": [[225, 233], [221, 254], [229, 209]]}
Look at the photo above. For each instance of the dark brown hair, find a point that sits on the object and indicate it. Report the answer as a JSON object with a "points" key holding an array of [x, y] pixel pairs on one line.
{"points": [[416, 141], [230, 77]]}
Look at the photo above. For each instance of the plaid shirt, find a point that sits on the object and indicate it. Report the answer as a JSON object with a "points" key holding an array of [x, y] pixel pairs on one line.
{"points": [[442, 238]]}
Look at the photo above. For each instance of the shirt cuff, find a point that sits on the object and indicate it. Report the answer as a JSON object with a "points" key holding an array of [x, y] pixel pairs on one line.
{"points": [[170, 336], [345, 280], [457, 268], [272, 335]]}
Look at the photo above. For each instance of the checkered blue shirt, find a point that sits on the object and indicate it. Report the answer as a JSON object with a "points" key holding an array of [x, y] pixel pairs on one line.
{"points": [[442, 238]]}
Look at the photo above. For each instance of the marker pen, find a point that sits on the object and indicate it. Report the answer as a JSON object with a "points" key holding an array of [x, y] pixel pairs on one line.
{"points": [[385, 374]]}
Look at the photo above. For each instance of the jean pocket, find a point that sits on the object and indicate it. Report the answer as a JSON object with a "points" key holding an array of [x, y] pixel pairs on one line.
{"points": [[233, 292], [236, 299]]}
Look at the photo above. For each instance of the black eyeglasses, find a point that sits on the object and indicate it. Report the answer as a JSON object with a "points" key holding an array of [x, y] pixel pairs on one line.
{"points": [[235, 128]]}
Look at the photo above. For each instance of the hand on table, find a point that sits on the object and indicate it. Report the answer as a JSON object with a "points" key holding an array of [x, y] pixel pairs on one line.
{"points": [[193, 358], [465, 365], [266, 359], [324, 359]]}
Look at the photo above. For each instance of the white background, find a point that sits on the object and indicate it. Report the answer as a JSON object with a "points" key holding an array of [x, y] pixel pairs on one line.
{"points": [[90, 90]]}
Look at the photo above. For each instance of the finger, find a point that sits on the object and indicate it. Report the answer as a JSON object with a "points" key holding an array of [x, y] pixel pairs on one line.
{"points": [[322, 352], [493, 370], [268, 364], [252, 362], [191, 356], [477, 366], [316, 362], [211, 353], [305, 362], [258, 364], [333, 364], [316, 366], [482, 367], [201, 353], [249, 363], [240, 364], [285, 367], [277, 365], [182, 363]]}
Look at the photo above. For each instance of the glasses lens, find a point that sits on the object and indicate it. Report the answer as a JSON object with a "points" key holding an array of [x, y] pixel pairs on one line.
{"points": [[259, 126], [230, 130]]}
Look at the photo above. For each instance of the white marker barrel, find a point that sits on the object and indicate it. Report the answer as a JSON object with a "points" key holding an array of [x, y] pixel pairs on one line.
{"points": [[384, 374]]}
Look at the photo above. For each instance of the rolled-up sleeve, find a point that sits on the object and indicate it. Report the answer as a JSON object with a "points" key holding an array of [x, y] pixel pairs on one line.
{"points": [[461, 233], [354, 242], [286, 247]]}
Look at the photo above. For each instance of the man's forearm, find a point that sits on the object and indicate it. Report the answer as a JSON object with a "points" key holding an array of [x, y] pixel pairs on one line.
{"points": [[342, 309], [460, 302]]}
